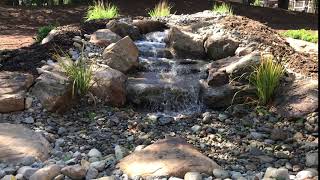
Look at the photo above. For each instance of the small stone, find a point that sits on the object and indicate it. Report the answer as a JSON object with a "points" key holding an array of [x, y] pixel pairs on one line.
{"points": [[8, 177], [120, 152], [165, 120], [74, 172], [92, 173], [28, 102], [28, 120], [62, 130], [306, 174], [27, 161], [196, 128], [192, 176], [279, 134], [27, 171], [276, 173], [94, 153], [139, 148], [312, 159], [222, 117], [235, 175], [59, 143], [107, 178], [59, 177], [219, 173], [99, 165]]}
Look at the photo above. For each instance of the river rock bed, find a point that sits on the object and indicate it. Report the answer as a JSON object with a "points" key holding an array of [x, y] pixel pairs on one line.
{"points": [[89, 139]]}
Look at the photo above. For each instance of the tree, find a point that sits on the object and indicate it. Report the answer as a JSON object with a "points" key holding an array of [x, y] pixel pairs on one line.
{"points": [[283, 4]]}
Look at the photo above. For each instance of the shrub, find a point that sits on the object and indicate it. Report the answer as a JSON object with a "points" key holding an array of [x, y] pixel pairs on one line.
{"points": [[266, 77], [257, 3], [302, 34], [43, 32], [78, 72], [161, 9], [102, 11], [223, 9]]}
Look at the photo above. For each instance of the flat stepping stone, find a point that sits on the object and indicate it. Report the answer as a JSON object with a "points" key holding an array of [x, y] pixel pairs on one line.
{"points": [[18, 142], [13, 86], [167, 157]]}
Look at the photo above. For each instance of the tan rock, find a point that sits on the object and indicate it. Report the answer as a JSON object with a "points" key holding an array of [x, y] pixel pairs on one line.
{"points": [[46, 173], [167, 157], [74, 172], [18, 142], [109, 85], [13, 86], [104, 37], [122, 55]]}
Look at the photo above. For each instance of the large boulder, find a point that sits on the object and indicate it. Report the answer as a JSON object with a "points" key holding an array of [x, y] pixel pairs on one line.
{"points": [[167, 157], [110, 86], [218, 47], [53, 89], [147, 26], [296, 99], [13, 86], [104, 37], [185, 44], [122, 55], [225, 95], [124, 29], [19, 143], [243, 65]]}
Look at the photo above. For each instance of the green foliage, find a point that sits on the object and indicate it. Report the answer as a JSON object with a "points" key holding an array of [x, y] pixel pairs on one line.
{"points": [[266, 78], [257, 3], [78, 72], [102, 11], [302, 34], [43, 32], [223, 9], [161, 9]]}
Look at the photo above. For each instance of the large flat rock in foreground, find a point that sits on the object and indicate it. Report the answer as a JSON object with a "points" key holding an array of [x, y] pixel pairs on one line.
{"points": [[167, 157], [18, 142]]}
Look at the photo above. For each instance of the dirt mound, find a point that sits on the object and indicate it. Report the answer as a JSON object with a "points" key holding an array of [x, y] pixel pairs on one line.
{"points": [[27, 59], [305, 64]]}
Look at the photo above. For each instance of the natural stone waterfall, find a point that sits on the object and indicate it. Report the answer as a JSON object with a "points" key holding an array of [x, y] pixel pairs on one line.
{"points": [[164, 83]]}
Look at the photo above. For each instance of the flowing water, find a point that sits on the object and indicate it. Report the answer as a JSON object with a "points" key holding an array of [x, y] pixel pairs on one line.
{"points": [[165, 84]]}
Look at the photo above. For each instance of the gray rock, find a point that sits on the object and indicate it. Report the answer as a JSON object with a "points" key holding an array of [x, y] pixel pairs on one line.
{"points": [[276, 173], [27, 171], [192, 176], [307, 173], [99, 165], [92, 173], [28, 120], [104, 37], [244, 64], [196, 128], [120, 152], [163, 120], [124, 29], [62, 130], [312, 159], [94, 153], [219, 173], [74, 172]]}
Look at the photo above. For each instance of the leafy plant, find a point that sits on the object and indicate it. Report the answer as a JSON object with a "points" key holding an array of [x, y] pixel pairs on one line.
{"points": [[78, 72], [102, 11], [302, 34], [162, 9], [266, 78], [43, 32], [257, 3], [222, 9]]}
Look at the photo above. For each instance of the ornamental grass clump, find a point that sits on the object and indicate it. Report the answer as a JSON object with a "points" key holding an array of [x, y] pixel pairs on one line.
{"points": [[222, 9], [266, 78], [102, 11], [78, 72], [163, 8]]}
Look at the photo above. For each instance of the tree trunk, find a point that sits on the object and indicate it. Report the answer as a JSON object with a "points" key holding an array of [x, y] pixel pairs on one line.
{"points": [[283, 4]]}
